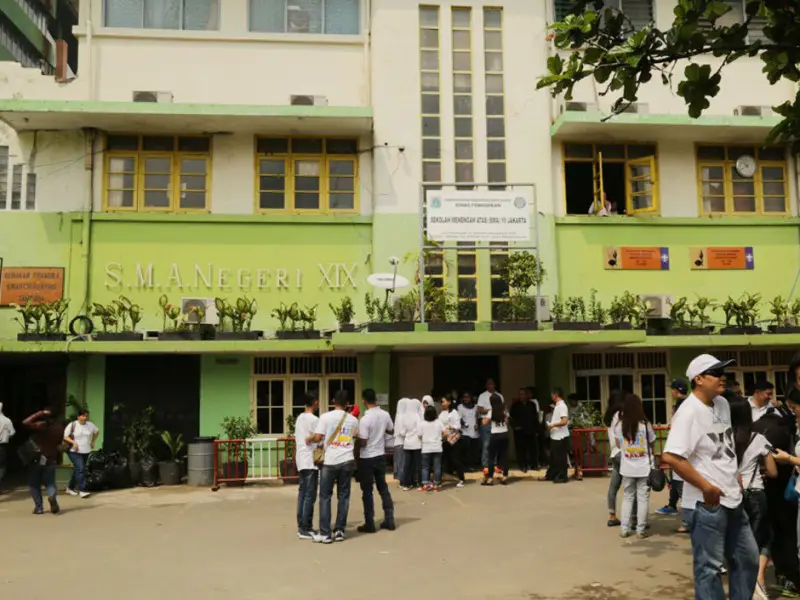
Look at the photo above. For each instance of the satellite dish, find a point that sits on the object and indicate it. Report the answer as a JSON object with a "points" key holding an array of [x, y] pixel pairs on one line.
{"points": [[387, 281]]}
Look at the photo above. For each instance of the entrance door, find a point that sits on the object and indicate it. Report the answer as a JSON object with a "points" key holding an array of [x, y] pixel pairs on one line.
{"points": [[465, 373]]}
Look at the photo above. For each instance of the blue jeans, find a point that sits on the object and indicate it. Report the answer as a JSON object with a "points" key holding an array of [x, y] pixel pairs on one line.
{"points": [[306, 497], [372, 474], [722, 534], [435, 459], [398, 462], [486, 435], [342, 476], [37, 476], [78, 471]]}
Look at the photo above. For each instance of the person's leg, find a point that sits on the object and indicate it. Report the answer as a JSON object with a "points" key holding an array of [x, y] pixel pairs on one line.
{"points": [[73, 478], [674, 495], [326, 480], [642, 504], [488, 471], [560, 451], [310, 500], [417, 467], [3, 459], [628, 494], [436, 457], [533, 450], [303, 482], [343, 492], [486, 435], [366, 481], [397, 464], [708, 531], [762, 532], [407, 479], [521, 451], [502, 455], [80, 471], [49, 480], [742, 555], [458, 459], [614, 482], [426, 469], [35, 472], [379, 473]]}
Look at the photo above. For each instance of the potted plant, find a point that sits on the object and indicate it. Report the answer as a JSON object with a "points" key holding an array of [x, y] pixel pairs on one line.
{"points": [[41, 322], [628, 311], [344, 314], [520, 271], [118, 319], [573, 315], [383, 316], [441, 309], [744, 312], [238, 429], [169, 471], [689, 319], [179, 326], [296, 323], [784, 315], [239, 315], [137, 438]]}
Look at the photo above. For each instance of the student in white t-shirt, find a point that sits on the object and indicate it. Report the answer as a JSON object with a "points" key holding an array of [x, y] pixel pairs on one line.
{"points": [[635, 438], [484, 406], [700, 449], [308, 472], [753, 453], [432, 431], [409, 426], [611, 418], [497, 420], [372, 430], [469, 431], [558, 426], [453, 455], [81, 435], [337, 430]]}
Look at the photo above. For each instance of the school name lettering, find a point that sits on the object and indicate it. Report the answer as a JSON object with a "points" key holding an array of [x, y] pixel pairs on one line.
{"points": [[471, 220], [207, 276]]}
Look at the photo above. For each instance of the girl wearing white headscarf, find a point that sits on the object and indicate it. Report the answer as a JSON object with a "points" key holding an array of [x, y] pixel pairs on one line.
{"points": [[410, 427], [398, 462]]}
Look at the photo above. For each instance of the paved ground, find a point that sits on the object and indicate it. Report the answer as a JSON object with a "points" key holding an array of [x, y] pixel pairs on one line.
{"points": [[530, 540]]}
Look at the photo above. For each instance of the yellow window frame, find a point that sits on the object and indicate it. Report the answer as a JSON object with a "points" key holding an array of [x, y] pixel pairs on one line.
{"points": [[650, 163], [181, 156], [423, 93], [496, 250], [107, 174], [474, 276], [142, 174]]}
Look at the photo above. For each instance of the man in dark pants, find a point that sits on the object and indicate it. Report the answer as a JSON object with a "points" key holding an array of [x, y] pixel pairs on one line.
{"points": [[558, 426], [524, 419], [372, 430], [47, 434]]}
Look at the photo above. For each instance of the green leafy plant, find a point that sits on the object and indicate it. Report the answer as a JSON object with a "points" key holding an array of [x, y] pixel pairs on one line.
{"points": [[731, 308], [238, 428], [307, 317], [779, 308], [640, 311], [173, 314], [678, 312], [520, 271], [597, 314], [287, 316], [174, 443], [46, 318], [344, 311], [138, 432], [379, 311], [748, 310], [794, 312], [290, 424], [107, 313], [576, 309], [628, 308], [239, 314], [701, 308], [28, 316], [558, 311]]}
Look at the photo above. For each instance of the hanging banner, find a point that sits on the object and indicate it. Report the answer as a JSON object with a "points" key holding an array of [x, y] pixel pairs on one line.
{"points": [[722, 258], [644, 258], [40, 285], [482, 216]]}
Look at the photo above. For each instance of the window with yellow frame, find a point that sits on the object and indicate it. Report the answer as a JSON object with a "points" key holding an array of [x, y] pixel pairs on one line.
{"points": [[312, 175], [500, 291], [742, 180], [157, 173], [609, 179], [467, 275]]}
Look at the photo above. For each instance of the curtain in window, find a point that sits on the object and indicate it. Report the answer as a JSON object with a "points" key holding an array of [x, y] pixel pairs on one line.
{"points": [[268, 16], [342, 16], [123, 13], [162, 14], [201, 15]]}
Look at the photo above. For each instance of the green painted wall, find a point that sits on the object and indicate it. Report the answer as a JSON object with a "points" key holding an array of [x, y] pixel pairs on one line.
{"points": [[224, 391], [581, 260], [96, 391]]}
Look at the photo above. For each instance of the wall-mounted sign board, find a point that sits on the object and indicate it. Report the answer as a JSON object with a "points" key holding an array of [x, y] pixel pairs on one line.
{"points": [[722, 258], [18, 285], [643, 258]]}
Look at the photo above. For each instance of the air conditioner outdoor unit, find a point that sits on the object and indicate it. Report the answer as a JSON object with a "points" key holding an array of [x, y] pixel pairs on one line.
{"points": [[659, 304], [159, 97], [301, 100], [543, 309], [751, 110], [578, 107], [208, 310]]}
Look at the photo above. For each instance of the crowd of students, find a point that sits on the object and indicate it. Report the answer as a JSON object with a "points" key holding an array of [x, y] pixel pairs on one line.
{"points": [[733, 462]]}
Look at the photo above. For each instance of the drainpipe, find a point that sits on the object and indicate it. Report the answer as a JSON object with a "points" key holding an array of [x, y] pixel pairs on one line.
{"points": [[86, 235], [368, 51]]}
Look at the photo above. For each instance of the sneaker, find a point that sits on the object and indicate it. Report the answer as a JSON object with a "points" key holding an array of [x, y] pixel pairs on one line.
{"points": [[71, 492], [388, 525], [38, 511], [642, 535], [789, 590], [614, 522], [54, 507], [338, 536], [366, 528], [406, 488], [305, 535], [322, 539], [84, 494], [666, 510], [460, 484], [625, 534]]}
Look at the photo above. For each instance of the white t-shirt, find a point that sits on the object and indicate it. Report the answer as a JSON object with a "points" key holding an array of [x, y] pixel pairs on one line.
{"points": [[560, 411], [304, 426], [703, 435], [82, 435], [374, 426], [485, 401], [468, 418], [432, 436], [750, 469], [450, 420], [613, 446], [497, 427], [757, 412], [341, 449], [636, 459]]}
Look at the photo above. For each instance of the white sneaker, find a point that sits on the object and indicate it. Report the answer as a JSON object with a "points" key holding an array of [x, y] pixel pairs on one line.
{"points": [[71, 492], [84, 494], [460, 484]]}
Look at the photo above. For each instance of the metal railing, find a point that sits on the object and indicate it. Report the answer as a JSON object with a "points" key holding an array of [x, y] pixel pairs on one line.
{"points": [[237, 462], [591, 449]]}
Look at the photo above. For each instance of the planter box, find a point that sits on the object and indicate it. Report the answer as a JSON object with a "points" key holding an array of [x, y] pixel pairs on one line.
{"points": [[238, 335], [121, 336], [741, 331], [451, 326], [387, 327], [347, 328], [180, 336], [784, 329], [309, 334], [169, 473], [625, 326], [288, 472], [41, 337], [576, 326], [235, 470], [514, 326], [691, 330]]}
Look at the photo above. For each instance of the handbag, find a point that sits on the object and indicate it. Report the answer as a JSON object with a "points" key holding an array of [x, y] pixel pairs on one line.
{"points": [[29, 452], [319, 452], [65, 446], [657, 480]]}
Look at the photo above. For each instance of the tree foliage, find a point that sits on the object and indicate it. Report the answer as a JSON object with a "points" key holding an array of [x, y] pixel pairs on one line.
{"points": [[601, 42]]}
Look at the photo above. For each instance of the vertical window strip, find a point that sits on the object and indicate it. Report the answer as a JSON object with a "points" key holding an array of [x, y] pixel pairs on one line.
{"points": [[4, 156], [30, 191], [16, 187], [467, 276], [495, 97], [430, 86], [500, 290], [462, 96]]}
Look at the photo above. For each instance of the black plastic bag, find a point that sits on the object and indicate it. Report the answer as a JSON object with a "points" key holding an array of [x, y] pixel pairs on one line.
{"points": [[149, 472], [117, 474], [95, 471]]}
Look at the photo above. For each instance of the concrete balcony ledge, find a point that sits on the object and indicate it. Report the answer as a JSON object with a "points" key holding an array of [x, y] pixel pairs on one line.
{"points": [[655, 220]]}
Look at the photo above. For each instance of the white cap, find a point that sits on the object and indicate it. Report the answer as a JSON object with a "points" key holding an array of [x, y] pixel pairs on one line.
{"points": [[704, 363], [427, 399]]}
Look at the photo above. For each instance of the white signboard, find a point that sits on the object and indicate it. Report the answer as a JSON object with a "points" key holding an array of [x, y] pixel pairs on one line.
{"points": [[460, 216]]}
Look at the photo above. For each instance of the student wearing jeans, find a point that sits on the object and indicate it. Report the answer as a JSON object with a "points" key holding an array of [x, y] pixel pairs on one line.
{"points": [[470, 438], [81, 435], [398, 458], [635, 437], [558, 426], [485, 429], [375, 425], [611, 419], [409, 426], [308, 472], [497, 419], [453, 448], [47, 433], [432, 433], [701, 450]]}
